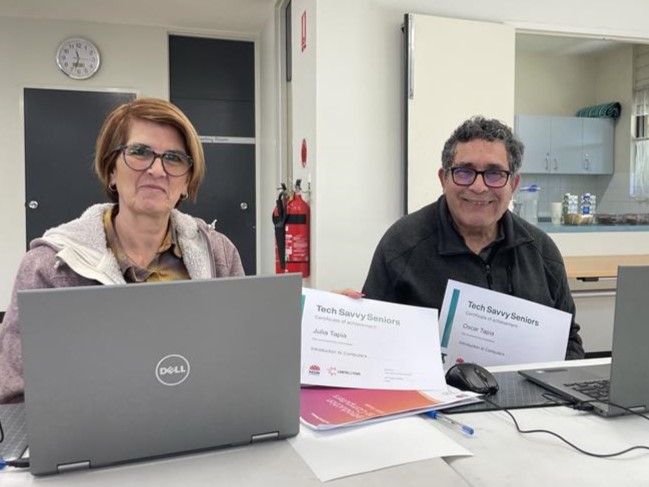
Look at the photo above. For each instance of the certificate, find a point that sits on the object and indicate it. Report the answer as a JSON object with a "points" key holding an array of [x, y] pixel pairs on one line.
{"points": [[492, 328], [369, 344]]}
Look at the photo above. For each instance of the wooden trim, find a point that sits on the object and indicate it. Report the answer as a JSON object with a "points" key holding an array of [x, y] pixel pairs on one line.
{"points": [[601, 266]]}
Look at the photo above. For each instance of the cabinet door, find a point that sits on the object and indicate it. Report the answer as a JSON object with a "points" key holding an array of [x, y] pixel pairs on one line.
{"points": [[534, 132], [598, 145], [566, 153]]}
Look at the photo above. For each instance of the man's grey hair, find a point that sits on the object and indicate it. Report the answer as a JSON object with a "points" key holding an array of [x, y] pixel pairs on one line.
{"points": [[491, 130]]}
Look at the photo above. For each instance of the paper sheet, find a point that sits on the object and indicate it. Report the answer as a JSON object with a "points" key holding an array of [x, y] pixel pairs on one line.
{"points": [[350, 451]]}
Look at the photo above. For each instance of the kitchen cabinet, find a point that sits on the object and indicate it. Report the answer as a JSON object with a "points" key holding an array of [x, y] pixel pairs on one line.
{"points": [[566, 145], [536, 134], [598, 142]]}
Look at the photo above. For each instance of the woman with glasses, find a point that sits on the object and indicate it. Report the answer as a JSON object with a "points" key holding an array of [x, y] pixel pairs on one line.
{"points": [[148, 158], [470, 236]]}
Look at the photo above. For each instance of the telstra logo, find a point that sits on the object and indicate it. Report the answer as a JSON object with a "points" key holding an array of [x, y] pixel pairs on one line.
{"points": [[172, 370]]}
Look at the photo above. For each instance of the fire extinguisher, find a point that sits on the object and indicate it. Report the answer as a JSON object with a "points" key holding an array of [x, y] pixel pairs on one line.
{"points": [[291, 218]]}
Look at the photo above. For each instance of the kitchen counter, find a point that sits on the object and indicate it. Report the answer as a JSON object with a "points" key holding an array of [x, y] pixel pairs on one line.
{"points": [[549, 227], [601, 266]]}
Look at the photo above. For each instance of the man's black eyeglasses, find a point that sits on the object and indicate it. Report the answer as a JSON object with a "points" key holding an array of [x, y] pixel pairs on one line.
{"points": [[493, 178], [141, 157]]}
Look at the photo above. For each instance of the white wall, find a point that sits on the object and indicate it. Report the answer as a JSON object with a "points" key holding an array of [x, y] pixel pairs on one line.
{"points": [[269, 175], [360, 178], [615, 82], [331, 108], [554, 85], [303, 112], [132, 59]]}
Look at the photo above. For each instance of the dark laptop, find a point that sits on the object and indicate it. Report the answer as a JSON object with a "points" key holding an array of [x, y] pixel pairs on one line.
{"points": [[121, 373], [626, 381]]}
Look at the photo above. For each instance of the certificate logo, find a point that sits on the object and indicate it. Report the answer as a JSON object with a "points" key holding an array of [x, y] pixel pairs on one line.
{"points": [[332, 371], [314, 370]]}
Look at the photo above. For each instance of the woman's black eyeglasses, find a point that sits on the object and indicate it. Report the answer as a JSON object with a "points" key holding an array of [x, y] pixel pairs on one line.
{"points": [[141, 157]]}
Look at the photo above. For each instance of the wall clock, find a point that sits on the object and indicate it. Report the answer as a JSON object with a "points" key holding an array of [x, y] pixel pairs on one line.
{"points": [[78, 58]]}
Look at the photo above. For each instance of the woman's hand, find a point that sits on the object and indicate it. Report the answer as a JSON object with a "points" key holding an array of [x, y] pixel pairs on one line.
{"points": [[350, 293]]}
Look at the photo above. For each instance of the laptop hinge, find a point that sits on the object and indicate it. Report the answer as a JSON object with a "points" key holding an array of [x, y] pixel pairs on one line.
{"points": [[265, 437], [67, 467]]}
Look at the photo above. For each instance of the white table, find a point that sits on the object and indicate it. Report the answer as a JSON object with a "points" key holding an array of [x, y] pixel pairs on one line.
{"points": [[266, 464], [503, 457]]}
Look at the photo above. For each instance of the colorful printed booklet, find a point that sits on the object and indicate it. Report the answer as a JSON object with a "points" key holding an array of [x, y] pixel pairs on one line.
{"points": [[324, 408]]}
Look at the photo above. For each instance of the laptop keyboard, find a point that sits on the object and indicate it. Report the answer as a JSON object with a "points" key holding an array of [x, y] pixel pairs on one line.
{"points": [[597, 389], [12, 417]]}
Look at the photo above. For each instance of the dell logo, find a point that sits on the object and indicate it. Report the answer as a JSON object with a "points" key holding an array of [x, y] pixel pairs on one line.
{"points": [[172, 370], [177, 369]]}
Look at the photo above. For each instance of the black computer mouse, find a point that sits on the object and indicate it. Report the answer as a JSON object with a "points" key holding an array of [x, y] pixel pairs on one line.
{"points": [[468, 376]]}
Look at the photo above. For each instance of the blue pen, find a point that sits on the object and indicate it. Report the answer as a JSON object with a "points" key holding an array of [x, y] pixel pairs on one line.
{"points": [[451, 422]]}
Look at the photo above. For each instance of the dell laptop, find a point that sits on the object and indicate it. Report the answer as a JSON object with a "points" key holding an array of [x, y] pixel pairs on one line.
{"points": [[626, 381], [127, 372]]}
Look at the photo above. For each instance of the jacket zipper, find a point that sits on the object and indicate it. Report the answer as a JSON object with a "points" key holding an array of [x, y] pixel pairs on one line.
{"points": [[490, 282], [489, 278]]}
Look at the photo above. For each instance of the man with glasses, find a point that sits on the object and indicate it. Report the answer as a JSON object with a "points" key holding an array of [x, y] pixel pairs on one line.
{"points": [[469, 235]]}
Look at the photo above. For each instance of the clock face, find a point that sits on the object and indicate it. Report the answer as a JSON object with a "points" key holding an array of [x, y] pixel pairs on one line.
{"points": [[78, 58]]}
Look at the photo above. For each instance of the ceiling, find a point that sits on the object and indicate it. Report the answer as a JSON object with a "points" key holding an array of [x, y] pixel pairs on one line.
{"points": [[235, 16], [240, 16]]}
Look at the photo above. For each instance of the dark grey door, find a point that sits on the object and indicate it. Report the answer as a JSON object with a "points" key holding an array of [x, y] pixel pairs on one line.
{"points": [[213, 82], [61, 127]]}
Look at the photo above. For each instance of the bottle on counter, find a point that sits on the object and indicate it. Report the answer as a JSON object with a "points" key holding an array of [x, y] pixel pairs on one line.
{"points": [[570, 206], [564, 209], [585, 204], [565, 206], [528, 197]]}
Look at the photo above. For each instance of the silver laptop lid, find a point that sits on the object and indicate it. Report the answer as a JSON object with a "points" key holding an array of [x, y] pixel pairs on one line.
{"points": [[119, 373], [629, 360], [629, 380]]}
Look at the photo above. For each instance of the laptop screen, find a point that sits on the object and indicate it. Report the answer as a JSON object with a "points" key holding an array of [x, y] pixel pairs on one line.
{"points": [[118, 373]]}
